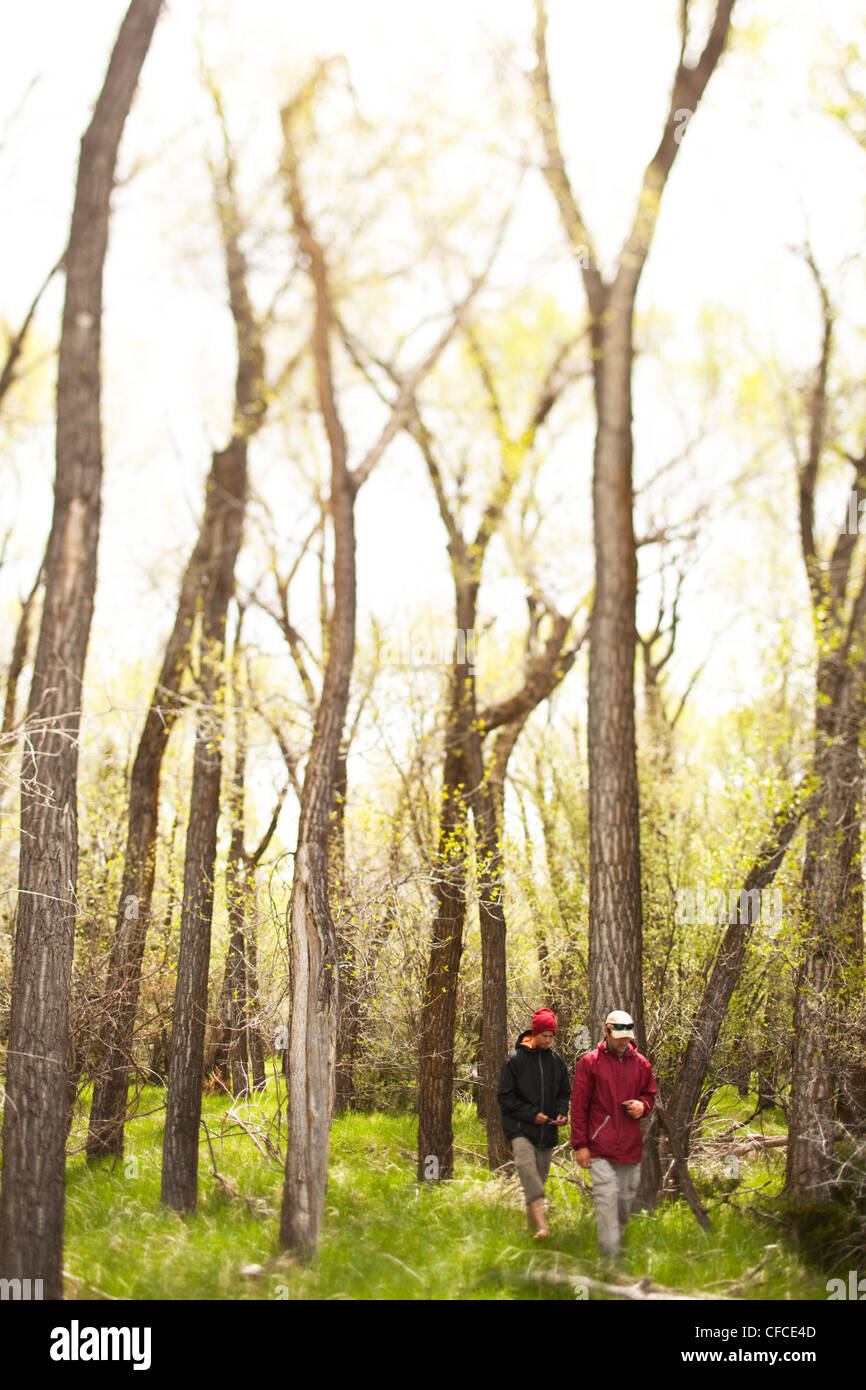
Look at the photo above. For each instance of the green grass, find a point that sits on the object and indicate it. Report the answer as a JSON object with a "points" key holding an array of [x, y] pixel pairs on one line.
{"points": [[385, 1236]]}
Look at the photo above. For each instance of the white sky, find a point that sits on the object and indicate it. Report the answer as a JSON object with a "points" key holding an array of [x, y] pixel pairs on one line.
{"points": [[758, 167]]}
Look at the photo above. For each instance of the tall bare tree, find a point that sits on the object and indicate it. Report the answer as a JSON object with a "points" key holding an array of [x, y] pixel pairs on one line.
{"points": [[189, 1019], [313, 943], [309, 669], [466, 785], [616, 931], [225, 489], [33, 1194]]}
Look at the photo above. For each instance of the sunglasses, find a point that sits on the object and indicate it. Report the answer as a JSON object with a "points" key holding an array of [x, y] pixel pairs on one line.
{"points": [[620, 1027]]}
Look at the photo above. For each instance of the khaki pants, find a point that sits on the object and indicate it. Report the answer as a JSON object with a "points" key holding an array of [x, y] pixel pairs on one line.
{"points": [[613, 1190], [533, 1166]]}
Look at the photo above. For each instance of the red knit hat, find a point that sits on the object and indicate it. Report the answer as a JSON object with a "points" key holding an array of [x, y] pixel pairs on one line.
{"points": [[543, 1022]]}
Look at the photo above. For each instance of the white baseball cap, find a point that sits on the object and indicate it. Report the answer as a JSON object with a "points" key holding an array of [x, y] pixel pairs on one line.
{"points": [[621, 1023]]}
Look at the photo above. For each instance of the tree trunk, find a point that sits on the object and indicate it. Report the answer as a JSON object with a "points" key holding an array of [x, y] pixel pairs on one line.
{"points": [[726, 972], [312, 1051], [494, 999], [312, 1036], [108, 1110], [33, 1193], [832, 911], [203, 573], [237, 868], [809, 1167], [832, 894], [487, 800], [468, 782], [313, 944], [217, 1066], [348, 1022], [439, 1013], [615, 912], [255, 1046], [189, 1020], [650, 1184], [238, 1057], [615, 925], [312, 938]]}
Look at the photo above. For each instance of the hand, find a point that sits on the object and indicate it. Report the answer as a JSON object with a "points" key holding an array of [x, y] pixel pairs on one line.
{"points": [[635, 1108], [582, 1156], [540, 1119], [562, 1119]]}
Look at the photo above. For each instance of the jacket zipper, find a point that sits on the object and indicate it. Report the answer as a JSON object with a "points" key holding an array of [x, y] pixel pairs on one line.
{"points": [[603, 1123]]}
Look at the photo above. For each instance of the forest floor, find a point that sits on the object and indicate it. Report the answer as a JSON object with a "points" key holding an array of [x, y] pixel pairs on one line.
{"points": [[386, 1236]]}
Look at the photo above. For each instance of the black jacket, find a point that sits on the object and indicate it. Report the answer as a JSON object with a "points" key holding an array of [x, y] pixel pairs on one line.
{"points": [[532, 1081]]}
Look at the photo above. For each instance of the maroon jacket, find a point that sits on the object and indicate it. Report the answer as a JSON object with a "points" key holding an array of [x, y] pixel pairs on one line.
{"points": [[602, 1082]]}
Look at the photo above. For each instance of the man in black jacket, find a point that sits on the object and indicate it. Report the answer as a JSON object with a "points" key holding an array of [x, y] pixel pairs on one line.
{"points": [[534, 1095]]}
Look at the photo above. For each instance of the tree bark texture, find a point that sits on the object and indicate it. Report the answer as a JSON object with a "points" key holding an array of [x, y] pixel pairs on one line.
{"points": [[349, 1020], [313, 945], [832, 912], [312, 938], [237, 1045], [615, 921], [189, 1019], [439, 1011], [33, 1193], [615, 927]]}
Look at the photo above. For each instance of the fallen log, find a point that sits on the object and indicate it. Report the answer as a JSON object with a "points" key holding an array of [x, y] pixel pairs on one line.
{"points": [[642, 1290], [757, 1141]]}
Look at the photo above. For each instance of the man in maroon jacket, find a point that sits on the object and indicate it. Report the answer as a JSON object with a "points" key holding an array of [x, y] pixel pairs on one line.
{"points": [[614, 1087]]}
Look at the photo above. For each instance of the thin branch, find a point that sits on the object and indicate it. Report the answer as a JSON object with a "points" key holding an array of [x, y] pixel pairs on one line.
{"points": [[7, 376], [403, 407]]}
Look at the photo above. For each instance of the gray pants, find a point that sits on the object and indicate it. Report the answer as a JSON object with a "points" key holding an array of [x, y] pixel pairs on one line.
{"points": [[613, 1190], [533, 1166]]}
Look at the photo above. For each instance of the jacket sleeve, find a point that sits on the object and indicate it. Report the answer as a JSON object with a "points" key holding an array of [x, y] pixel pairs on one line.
{"points": [[648, 1093], [581, 1096], [510, 1102], [563, 1093]]}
